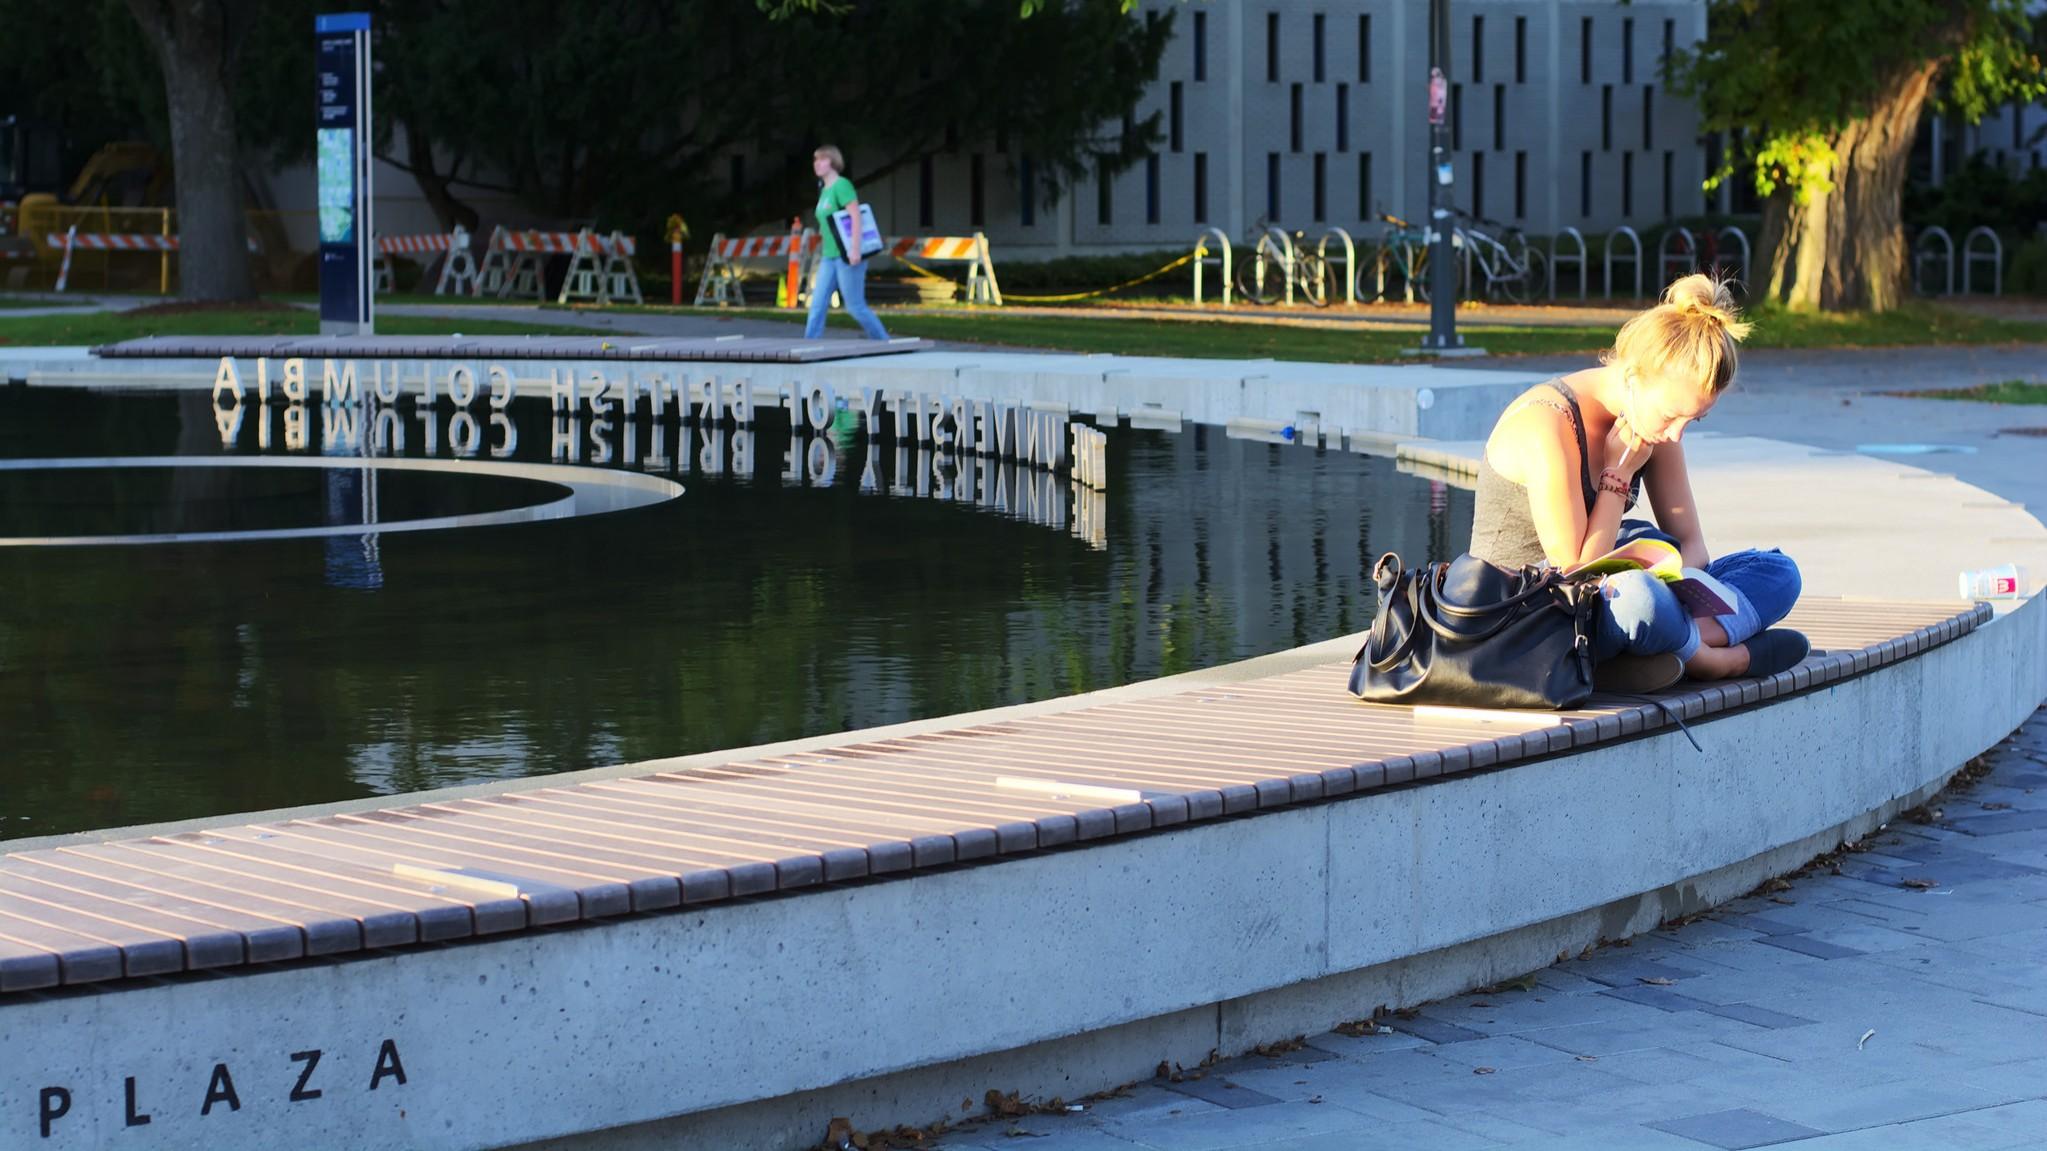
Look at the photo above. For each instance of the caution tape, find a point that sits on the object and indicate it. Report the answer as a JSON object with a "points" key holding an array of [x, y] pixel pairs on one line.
{"points": [[1068, 298]]}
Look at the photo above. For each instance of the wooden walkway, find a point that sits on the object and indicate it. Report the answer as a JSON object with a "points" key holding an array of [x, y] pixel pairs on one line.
{"points": [[649, 349], [416, 873]]}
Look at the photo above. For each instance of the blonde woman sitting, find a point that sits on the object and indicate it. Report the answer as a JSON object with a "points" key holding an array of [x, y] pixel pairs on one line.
{"points": [[1569, 457]]}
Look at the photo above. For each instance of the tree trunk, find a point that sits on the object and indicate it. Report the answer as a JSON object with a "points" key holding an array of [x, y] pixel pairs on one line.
{"points": [[1846, 248], [193, 43], [435, 185]]}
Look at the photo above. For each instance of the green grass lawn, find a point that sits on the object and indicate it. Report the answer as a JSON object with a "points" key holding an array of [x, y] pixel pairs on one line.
{"points": [[111, 327], [1107, 331], [2008, 392]]}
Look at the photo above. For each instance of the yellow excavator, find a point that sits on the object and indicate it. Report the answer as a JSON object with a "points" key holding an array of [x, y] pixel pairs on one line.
{"points": [[122, 187]]}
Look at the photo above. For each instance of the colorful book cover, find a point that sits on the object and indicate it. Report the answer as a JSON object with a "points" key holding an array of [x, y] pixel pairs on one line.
{"points": [[1662, 561]]}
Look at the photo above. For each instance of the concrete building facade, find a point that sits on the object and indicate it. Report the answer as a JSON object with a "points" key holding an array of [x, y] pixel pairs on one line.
{"points": [[1313, 114]]}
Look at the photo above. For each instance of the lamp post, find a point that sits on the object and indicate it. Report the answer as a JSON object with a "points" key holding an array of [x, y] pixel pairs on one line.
{"points": [[1442, 335]]}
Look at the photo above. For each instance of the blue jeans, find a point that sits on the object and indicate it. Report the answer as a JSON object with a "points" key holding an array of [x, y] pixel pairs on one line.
{"points": [[850, 282], [1641, 617]]}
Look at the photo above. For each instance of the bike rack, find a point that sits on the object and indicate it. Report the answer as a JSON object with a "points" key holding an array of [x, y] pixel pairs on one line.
{"points": [[1387, 244], [1285, 253], [1556, 258], [1741, 237], [1350, 262], [1201, 257], [1685, 261], [1921, 251], [1971, 255], [1636, 258]]}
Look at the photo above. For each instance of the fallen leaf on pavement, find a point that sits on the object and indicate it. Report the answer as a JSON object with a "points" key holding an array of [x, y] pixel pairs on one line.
{"points": [[1866, 1037], [1919, 884], [1481, 1071], [1659, 981]]}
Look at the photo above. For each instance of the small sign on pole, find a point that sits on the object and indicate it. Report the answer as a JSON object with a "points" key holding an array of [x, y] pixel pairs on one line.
{"points": [[342, 144]]}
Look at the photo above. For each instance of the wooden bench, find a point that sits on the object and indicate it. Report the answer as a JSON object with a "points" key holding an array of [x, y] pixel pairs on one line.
{"points": [[424, 872]]}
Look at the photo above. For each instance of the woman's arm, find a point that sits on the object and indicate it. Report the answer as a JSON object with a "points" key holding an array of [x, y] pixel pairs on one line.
{"points": [[1670, 493], [1547, 446]]}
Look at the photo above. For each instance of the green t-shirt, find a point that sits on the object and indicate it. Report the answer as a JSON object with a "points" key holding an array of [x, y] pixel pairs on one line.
{"points": [[834, 198]]}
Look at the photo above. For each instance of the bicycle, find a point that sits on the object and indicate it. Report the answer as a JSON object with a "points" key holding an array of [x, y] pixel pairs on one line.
{"points": [[1280, 260], [1512, 268], [1404, 251]]}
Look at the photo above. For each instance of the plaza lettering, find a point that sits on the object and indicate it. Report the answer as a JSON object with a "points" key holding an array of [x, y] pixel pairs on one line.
{"points": [[220, 1094]]}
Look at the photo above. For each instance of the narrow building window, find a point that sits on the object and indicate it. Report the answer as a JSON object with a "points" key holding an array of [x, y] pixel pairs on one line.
{"points": [[1478, 49], [1606, 117], [1520, 185], [1365, 48], [1478, 184], [1272, 187], [1201, 187], [1628, 51], [1294, 117], [1668, 196], [1151, 189], [1648, 116], [1499, 117], [1585, 50], [1272, 47], [1343, 117], [1627, 184], [925, 192], [1177, 115], [1669, 38], [1321, 186], [1456, 117], [1320, 22], [1365, 209], [1585, 185], [977, 191], [1521, 49], [1105, 193], [1200, 46]]}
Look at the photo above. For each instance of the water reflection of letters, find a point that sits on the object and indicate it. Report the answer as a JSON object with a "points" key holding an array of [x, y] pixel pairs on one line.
{"points": [[998, 457]]}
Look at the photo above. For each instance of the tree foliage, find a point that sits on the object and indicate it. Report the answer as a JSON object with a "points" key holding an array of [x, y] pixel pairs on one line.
{"points": [[1822, 97], [1785, 76]]}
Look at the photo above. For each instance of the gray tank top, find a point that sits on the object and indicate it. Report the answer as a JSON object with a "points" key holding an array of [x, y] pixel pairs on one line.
{"points": [[1502, 527]]}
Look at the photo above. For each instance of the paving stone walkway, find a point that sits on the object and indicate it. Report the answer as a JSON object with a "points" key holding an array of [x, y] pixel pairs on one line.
{"points": [[1896, 999]]}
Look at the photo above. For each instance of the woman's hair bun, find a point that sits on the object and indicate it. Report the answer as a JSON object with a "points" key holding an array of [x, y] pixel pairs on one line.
{"points": [[1703, 297]]}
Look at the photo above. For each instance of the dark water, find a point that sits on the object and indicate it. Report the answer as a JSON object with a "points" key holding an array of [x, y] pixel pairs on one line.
{"points": [[825, 588]]}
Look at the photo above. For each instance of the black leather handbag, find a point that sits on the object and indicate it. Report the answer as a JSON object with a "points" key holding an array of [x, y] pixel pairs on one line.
{"points": [[1470, 634]]}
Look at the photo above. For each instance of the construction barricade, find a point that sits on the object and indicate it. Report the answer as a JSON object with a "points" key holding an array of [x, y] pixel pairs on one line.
{"points": [[74, 240], [458, 264], [726, 260], [972, 251], [600, 267]]}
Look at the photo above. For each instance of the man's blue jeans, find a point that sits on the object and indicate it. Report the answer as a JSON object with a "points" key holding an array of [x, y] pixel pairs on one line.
{"points": [[1641, 617], [850, 282]]}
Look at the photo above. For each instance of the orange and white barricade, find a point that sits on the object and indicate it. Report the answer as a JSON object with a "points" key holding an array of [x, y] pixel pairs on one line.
{"points": [[601, 270], [458, 263], [73, 240], [969, 250], [724, 262]]}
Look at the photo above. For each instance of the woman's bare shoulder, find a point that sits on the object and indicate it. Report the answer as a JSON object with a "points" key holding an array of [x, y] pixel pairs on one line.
{"points": [[1531, 427]]}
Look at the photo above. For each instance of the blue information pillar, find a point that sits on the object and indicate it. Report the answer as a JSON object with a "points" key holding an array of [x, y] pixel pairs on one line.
{"points": [[347, 260]]}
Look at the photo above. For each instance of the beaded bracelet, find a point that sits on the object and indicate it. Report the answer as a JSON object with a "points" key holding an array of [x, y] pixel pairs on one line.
{"points": [[1610, 481]]}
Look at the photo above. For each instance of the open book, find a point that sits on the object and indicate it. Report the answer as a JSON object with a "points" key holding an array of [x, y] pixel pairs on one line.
{"points": [[1692, 587]]}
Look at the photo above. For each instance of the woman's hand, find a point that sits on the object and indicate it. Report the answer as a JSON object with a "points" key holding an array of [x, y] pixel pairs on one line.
{"points": [[1625, 452]]}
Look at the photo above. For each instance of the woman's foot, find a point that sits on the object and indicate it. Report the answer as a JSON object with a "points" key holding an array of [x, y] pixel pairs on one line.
{"points": [[1766, 653], [1777, 649], [1637, 674]]}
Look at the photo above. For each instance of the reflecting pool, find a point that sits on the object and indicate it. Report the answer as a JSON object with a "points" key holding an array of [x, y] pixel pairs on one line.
{"points": [[796, 587]]}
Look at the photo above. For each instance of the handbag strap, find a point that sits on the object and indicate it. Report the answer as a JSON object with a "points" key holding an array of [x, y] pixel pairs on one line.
{"points": [[1405, 647], [1545, 585]]}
